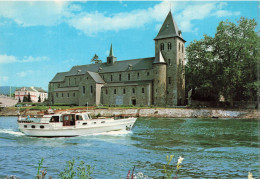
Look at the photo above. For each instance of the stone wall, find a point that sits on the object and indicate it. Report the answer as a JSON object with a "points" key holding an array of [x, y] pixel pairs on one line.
{"points": [[156, 112], [124, 95]]}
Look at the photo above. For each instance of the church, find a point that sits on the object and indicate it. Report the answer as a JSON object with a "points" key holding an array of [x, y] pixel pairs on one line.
{"points": [[157, 80]]}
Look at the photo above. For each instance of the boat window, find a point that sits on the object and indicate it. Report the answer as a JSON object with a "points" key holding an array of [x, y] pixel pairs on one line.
{"points": [[93, 122], [42, 127], [103, 121], [33, 126], [66, 118], [79, 117], [25, 126], [54, 119], [86, 116], [85, 123]]}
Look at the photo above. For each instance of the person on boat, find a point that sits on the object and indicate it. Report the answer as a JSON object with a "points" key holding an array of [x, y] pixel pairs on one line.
{"points": [[50, 111], [28, 117]]}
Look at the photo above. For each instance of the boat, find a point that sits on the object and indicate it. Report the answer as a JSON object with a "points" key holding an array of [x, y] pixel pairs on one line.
{"points": [[71, 124]]}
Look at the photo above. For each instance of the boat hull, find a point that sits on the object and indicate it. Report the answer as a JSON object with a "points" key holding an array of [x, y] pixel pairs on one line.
{"points": [[92, 127]]}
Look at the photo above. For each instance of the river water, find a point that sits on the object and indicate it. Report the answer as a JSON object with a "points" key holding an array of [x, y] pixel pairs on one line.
{"points": [[212, 148]]}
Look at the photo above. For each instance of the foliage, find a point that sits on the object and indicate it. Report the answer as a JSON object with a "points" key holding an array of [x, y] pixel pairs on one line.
{"points": [[95, 59], [19, 100], [225, 64], [39, 99], [25, 99], [40, 173], [169, 170], [29, 98], [83, 171]]}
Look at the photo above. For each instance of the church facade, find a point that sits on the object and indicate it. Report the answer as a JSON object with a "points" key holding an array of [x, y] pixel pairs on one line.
{"points": [[157, 80]]}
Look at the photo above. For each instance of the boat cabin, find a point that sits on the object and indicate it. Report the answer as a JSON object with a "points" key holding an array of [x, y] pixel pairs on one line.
{"points": [[69, 119]]}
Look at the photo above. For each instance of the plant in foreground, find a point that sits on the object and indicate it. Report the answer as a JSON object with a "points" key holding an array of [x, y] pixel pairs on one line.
{"points": [[168, 170], [41, 173], [83, 171], [250, 175]]}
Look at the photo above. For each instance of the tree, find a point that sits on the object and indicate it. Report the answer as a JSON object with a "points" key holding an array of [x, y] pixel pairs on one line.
{"points": [[29, 97], [95, 59], [39, 99], [25, 99], [19, 100], [225, 64]]}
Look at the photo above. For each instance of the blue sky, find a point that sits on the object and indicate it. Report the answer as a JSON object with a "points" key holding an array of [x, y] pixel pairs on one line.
{"points": [[39, 39]]}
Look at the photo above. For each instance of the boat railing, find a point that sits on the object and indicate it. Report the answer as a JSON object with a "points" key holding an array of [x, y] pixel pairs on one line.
{"points": [[34, 120]]}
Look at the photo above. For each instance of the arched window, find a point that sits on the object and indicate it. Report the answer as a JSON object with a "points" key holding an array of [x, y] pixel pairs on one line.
{"points": [[169, 61], [162, 46], [124, 90], [133, 90], [128, 76], [91, 89], [106, 91], [114, 91], [169, 46], [119, 77], [182, 48], [111, 78], [179, 47]]}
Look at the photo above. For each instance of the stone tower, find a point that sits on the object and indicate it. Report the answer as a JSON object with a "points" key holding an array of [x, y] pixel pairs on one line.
{"points": [[170, 44], [111, 59], [159, 80]]}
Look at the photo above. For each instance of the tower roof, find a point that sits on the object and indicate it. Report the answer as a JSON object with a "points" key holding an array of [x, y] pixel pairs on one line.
{"points": [[169, 29], [159, 59], [111, 54]]}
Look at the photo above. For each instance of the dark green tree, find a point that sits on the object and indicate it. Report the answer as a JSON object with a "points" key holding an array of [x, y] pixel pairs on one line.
{"points": [[95, 59], [25, 99], [19, 100], [29, 97], [39, 99], [225, 64]]}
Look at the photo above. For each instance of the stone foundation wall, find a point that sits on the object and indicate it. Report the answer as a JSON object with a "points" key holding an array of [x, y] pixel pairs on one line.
{"points": [[157, 112]]}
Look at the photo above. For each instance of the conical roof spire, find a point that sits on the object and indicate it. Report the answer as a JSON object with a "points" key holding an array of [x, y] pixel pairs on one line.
{"points": [[169, 28], [111, 54], [159, 59]]}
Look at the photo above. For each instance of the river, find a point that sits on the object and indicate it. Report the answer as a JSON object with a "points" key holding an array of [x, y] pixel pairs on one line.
{"points": [[212, 148]]}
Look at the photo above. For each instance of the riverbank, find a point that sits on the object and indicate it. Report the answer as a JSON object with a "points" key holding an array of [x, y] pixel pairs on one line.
{"points": [[149, 112]]}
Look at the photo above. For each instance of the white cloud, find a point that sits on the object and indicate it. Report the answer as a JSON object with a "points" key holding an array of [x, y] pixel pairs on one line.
{"points": [[35, 13], [3, 79], [53, 13], [5, 59], [23, 74], [194, 12], [224, 13]]}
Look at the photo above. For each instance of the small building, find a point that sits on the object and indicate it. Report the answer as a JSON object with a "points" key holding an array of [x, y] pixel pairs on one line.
{"points": [[157, 80], [34, 92]]}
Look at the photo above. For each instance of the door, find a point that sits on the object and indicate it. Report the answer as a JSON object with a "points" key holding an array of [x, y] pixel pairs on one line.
{"points": [[66, 120], [134, 102]]}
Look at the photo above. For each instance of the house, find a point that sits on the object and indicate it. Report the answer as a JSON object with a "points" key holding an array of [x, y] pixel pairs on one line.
{"points": [[35, 94]]}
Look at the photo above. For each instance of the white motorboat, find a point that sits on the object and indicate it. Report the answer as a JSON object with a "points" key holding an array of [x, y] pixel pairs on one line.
{"points": [[71, 124]]}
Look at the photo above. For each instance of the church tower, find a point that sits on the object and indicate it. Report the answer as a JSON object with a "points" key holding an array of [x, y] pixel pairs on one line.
{"points": [[170, 44], [111, 59], [159, 80]]}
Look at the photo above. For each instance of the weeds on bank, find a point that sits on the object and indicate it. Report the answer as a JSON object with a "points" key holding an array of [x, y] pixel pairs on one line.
{"points": [[84, 171]]}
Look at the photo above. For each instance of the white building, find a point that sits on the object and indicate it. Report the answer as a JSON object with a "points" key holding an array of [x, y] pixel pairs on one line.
{"points": [[34, 92]]}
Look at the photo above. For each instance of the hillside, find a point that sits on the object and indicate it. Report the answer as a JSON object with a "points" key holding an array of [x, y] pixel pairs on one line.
{"points": [[5, 90]]}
